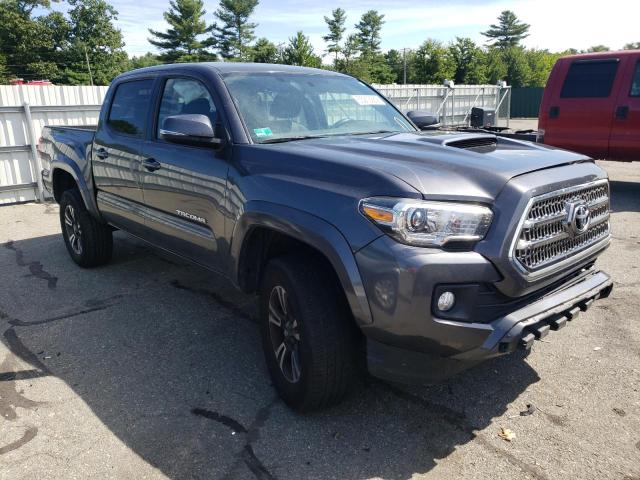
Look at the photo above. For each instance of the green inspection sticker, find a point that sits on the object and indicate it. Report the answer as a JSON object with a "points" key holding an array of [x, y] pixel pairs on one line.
{"points": [[262, 132]]}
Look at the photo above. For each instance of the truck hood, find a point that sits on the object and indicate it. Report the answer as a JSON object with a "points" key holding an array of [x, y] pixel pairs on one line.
{"points": [[440, 166]]}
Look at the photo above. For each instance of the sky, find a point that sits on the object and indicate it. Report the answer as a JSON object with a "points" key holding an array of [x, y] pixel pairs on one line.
{"points": [[555, 24]]}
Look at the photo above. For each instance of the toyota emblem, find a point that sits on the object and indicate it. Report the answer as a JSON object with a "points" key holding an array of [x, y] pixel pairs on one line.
{"points": [[578, 217]]}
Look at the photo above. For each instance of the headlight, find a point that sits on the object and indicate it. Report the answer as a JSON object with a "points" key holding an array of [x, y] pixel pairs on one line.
{"points": [[428, 223]]}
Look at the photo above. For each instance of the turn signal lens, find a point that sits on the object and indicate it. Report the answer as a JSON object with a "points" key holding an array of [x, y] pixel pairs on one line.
{"points": [[378, 214]]}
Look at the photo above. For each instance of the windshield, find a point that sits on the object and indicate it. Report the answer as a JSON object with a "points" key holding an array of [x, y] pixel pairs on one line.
{"points": [[281, 106]]}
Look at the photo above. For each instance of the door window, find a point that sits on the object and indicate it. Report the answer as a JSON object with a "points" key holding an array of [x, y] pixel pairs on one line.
{"points": [[128, 111], [590, 78], [635, 82], [185, 96]]}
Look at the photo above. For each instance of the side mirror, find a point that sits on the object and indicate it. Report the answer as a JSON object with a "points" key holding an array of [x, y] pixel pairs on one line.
{"points": [[424, 120], [190, 129]]}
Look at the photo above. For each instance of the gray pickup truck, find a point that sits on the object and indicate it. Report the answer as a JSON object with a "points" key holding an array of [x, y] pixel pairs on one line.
{"points": [[370, 243]]}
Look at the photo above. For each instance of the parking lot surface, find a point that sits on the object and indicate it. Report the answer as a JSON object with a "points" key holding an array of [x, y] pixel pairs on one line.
{"points": [[151, 368]]}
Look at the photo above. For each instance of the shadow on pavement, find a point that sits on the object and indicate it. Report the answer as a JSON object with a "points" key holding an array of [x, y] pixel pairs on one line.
{"points": [[625, 196], [168, 357]]}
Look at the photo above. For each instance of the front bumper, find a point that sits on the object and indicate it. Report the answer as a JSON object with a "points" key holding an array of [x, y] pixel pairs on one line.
{"points": [[407, 343]]}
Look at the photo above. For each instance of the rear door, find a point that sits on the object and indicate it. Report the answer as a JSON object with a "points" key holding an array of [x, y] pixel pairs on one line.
{"points": [[185, 186], [580, 114], [117, 151], [625, 132]]}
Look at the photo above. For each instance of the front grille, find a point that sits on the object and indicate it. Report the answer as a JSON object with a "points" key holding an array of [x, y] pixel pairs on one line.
{"points": [[544, 238]]}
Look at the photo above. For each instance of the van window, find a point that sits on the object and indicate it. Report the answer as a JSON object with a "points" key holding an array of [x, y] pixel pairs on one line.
{"points": [[635, 82], [128, 112], [590, 78]]}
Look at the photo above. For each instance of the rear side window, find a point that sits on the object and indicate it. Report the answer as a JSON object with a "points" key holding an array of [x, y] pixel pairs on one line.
{"points": [[129, 107], [635, 82], [590, 79]]}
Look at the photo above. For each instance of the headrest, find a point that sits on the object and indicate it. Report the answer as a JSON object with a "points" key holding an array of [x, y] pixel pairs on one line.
{"points": [[199, 105], [286, 106]]}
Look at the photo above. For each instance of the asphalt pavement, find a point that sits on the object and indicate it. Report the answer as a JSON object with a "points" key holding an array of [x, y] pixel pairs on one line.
{"points": [[151, 368]]}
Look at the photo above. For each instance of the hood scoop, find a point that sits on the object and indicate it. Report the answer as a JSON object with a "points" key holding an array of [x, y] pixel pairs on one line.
{"points": [[480, 144], [474, 142]]}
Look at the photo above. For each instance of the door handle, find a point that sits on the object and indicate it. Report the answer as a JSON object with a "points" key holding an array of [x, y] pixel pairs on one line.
{"points": [[151, 164], [622, 112], [102, 153]]}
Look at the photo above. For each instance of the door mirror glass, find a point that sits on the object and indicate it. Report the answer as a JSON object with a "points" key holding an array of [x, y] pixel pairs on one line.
{"points": [[424, 120], [189, 129]]}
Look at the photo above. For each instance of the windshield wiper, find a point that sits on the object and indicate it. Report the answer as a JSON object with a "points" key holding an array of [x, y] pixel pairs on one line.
{"points": [[375, 132], [291, 139]]}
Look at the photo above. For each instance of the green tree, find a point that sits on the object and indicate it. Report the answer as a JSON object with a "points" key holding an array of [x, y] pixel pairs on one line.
{"points": [[299, 52], [183, 41], [4, 73], [632, 46], [265, 51], [469, 60], [234, 35], [433, 63], [368, 32], [540, 64], [508, 32], [496, 68], [147, 60], [598, 48], [336, 32], [93, 39], [518, 70], [31, 45]]}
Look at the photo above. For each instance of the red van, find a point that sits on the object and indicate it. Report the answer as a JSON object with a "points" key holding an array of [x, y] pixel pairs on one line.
{"points": [[591, 105]]}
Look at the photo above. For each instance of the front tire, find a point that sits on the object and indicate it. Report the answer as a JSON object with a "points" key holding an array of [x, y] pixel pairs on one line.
{"points": [[308, 336], [88, 241]]}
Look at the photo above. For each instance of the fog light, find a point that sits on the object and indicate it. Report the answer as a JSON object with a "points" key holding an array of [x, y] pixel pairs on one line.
{"points": [[446, 301]]}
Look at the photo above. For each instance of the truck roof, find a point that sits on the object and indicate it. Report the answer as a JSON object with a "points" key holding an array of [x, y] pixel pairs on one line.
{"points": [[228, 67]]}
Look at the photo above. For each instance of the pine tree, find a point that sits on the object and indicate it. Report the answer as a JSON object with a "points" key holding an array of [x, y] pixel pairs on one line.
{"points": [[265, 51], [183, 42], [508, 32], [368, 32], [336, 31], [299, 52], [234, 35]]}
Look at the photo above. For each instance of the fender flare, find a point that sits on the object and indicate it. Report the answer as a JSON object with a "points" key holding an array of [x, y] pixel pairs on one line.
{"points": [[72, 168], [313, 231]]}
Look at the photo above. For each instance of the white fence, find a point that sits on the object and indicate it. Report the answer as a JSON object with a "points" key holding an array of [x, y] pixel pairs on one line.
{"points": [[452, 105], [24, 110]]}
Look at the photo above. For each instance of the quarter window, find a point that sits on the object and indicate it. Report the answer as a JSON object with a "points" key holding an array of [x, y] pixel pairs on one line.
{"points": [[184, 96], [635, 82], [590, 78], [129, 107]]}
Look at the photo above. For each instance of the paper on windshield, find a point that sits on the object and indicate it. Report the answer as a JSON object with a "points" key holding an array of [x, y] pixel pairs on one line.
{"points": [[368, 99]]}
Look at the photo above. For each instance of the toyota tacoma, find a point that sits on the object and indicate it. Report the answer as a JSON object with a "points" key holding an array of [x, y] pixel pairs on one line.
{"points": [[370, 243]]}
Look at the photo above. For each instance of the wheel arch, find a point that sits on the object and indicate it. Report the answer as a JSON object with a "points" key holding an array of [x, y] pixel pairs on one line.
{"points": [[65, 176], [266, 230]]}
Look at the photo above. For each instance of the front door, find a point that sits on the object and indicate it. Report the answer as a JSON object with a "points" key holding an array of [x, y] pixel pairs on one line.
{"points": [[625, 132], [185, 186], [116, 155]]}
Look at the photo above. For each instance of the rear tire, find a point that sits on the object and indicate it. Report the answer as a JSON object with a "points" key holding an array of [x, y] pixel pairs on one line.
{"points": [[88, 241], [310, 345]]}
